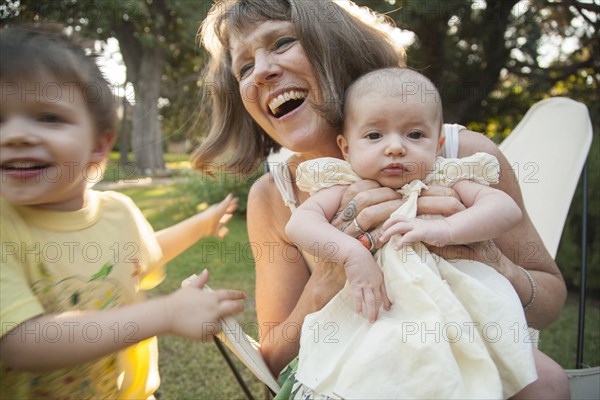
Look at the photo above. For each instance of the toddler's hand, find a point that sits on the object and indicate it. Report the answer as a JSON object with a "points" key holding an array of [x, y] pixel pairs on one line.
{"points": [[219, 214], [368, 287], [194, 311]]}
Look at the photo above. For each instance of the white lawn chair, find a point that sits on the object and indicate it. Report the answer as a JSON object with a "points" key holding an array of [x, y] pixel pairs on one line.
{"points": [[547, 149]]}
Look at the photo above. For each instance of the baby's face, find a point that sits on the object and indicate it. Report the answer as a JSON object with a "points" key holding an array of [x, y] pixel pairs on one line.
{"points": [[47, 143], [390, 139]]}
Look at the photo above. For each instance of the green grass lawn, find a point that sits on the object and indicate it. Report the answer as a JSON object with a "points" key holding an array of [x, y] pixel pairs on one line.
{"points": [[192, 370]]}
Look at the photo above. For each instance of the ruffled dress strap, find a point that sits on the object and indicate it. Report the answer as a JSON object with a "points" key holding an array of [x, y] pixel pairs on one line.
{"points": [[482, 168], [283, 181], [319, 173]]}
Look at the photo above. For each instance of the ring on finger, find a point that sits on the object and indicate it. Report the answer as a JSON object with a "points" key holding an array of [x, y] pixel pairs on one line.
{"points": [[357, 227], [367, 240]]}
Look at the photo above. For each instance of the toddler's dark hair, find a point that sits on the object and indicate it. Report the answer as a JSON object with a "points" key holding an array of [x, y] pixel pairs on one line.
{"points": [[30, 51]]}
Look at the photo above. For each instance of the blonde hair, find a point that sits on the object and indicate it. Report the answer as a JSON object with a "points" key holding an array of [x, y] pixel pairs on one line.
{"points": [[341, 41]]}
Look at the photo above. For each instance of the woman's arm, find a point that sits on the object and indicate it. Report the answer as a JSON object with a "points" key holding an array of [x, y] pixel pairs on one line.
{"points": [[286, 291], [522, 245]]}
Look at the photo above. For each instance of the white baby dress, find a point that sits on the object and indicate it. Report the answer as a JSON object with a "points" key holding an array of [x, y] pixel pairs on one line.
{"points": [[456, 330]]}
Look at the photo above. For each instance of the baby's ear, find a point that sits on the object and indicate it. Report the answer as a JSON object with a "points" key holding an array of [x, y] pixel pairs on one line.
{"points": [[103, 145], [343, 145]]}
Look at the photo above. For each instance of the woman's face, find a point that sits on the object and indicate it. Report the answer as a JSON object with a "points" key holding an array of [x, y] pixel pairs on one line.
{"points": [[277, 85]]}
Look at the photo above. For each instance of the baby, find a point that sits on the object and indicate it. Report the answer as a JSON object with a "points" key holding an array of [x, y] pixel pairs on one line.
{"points": [[438, 324]]}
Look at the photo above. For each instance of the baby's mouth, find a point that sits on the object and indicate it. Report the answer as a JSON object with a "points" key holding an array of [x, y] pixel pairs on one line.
{"points": [[287, 102]]}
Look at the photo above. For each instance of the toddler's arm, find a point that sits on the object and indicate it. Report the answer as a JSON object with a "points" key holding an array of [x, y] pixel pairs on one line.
{"points": [[489, 214], [189, 312], [310, 229], [175, 239]]}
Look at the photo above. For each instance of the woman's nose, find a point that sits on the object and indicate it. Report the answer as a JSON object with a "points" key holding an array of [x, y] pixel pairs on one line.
{"points": [[266, 68]]}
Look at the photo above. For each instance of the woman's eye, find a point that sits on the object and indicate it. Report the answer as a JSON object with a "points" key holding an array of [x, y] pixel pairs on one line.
{"points": [[244, 69], [415, 135], [280, 43], [373, 135]]}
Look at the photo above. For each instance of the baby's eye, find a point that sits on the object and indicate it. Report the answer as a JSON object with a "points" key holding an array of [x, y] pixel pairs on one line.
{"points": [[373, 135], [415, 135]]}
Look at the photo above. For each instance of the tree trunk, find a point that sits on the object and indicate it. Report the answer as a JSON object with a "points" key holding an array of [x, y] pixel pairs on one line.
{"points": [[146, 133]]}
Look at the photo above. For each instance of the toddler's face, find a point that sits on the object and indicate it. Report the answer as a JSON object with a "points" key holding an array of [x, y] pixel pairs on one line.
{"points": [[390, 139], [47, 142]]}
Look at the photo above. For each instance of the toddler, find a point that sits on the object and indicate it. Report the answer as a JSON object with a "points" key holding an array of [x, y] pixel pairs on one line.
{"points": [[75, 260]]}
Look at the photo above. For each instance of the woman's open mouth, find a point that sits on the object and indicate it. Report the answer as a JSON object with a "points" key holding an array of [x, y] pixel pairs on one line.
{"points": [[287, 102]]}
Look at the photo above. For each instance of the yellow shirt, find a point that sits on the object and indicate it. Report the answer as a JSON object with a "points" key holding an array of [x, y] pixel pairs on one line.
{"points": [[95, 258]]}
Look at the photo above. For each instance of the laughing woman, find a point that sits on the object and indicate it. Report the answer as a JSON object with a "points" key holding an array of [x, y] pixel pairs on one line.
{"points": [[278, 70]]}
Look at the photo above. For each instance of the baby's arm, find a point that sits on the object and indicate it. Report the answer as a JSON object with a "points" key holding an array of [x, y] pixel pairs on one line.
{"points": [[310, 229], [189, 312], [175, 239], [490, 213]]}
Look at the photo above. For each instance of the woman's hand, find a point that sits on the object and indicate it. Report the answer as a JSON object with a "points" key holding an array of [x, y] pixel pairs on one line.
{"points": [[439, 200], [326, 280], [364, 207]]}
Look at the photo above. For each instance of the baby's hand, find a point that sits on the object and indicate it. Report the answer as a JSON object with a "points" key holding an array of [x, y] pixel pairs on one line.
{"points": [[367, 285], [431, 231], [217, 215], [194, 311]]}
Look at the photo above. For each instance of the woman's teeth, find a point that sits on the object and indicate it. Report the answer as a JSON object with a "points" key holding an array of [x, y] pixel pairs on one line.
{"points": [[294, 97]]}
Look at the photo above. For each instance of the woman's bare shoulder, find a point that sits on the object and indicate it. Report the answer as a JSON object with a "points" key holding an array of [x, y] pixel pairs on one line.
{"points": [[471, 142], [263, 194], [266, 208]]}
